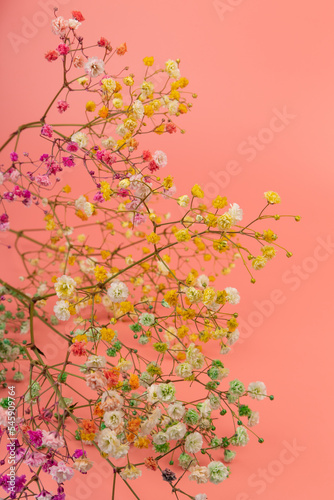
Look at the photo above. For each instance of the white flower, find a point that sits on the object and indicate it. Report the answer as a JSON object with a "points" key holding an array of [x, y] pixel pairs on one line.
{"points": [[61, 472], [152, 393], [94, 67], [183, 200], [1, 178], [42, 289], [121, 130], [80, 138], [61, 310], [163, 268], [184, 370], [130, 472], [173, 107], [240, 438], [232, 337], [176, 410], [73, 24], [199, 473], [218, 472], [176, 431], [232, 296], [235, 212], [172, 69], [193, 442], [109, 142], [148, 425], [107, 441], [95, 361], [138, 109], [160, 438], [201, 496], [65, 287], [257, 390], [194, 357], [254, 418], [121, 451], [124, 365], [205, 408], [160, 158], [118, 291], [202, 281]]}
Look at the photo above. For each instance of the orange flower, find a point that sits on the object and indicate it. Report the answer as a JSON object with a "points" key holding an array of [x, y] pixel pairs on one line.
{"points": [[121, 49], [150, 463], [134, 381], [88, 426], [133, 424], [112, 377], [98, 412]]}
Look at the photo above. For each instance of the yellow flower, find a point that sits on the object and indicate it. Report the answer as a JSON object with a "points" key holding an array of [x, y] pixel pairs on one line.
{"points": [[168, 182], [128, 81], [210, 220], [153, 238], [174, 95], [220, 245], [219, 202], [148, 61], [141, 442], [183, 109], [224, 222], [197, 191], [90, 106], [199, 243], [221, 297], [272, 197], [182, 331], [100, 273], [183, 82], [182, 235], [209, 296], [171, 297], [83, 80], [160, 130], [268, 252], [67, 189], [148, 110], [105, 254], [259, 262], [107, 334], [126, 307], [108, 85], [232, 324], [269, 236], [106, 190]]}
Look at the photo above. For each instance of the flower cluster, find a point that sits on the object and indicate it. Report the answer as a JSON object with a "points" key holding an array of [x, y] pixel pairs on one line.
{"points": [[131, 276]]}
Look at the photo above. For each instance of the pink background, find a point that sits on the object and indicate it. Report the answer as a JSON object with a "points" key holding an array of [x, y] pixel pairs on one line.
{"points": [[248, 61]]}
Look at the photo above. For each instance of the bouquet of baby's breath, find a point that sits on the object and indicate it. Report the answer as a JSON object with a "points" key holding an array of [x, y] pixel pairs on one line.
{"points": [[129, 284]]}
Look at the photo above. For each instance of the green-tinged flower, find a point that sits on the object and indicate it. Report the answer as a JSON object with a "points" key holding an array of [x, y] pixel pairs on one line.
{"points": [[191, 417], [147, 319]]}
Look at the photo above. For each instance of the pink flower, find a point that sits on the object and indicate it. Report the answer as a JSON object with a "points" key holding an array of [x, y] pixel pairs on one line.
{"points": [[63, 49], [62, 106], [47, 131], [35, 459], [96, 380], [51, 55], [52, 440], [59, 25], [160, 158], [61, 472], [43, 180], [72, 147], [78, 61], [94, 67], [14, 156]]}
